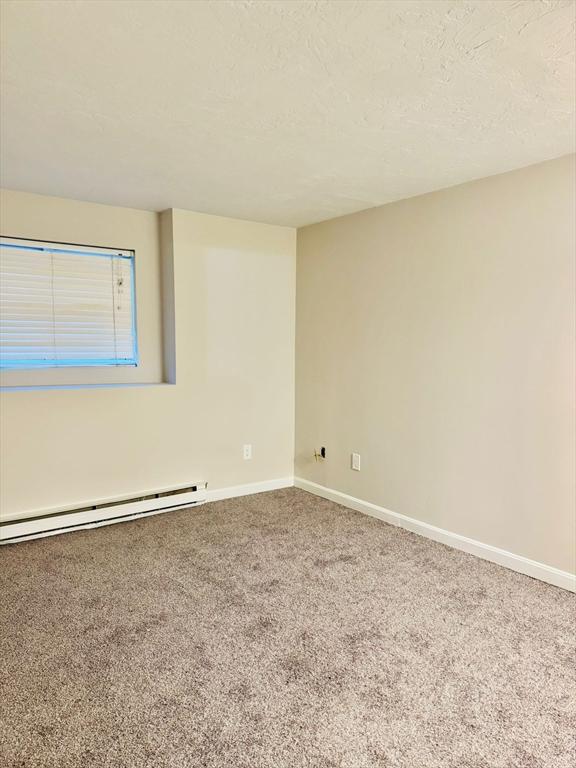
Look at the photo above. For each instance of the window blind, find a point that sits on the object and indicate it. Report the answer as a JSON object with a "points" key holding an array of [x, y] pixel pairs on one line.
{"points": [[64, 305]]}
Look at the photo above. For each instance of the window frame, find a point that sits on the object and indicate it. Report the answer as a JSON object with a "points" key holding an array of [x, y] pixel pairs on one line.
{"points": [[80, 249]]}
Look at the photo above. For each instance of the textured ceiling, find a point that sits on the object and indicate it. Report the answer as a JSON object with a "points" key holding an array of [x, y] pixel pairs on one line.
{"points": [[281, 111]]}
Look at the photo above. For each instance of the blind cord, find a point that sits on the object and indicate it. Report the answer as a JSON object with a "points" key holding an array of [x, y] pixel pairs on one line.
{"points": [[52, 292], [113, 268]]}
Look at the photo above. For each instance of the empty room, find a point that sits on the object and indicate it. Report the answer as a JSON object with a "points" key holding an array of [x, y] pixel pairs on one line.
{"points": [[287, 384]]}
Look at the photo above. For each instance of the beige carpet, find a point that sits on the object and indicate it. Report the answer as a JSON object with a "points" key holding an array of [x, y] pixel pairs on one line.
{"points": [[274, 631]]}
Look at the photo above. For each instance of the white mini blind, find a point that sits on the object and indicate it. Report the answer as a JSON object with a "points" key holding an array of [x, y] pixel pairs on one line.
{"points": [[65, 306]]}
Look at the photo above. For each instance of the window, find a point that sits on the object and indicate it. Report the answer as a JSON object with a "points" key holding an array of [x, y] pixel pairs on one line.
{"points": [[66, 306]]}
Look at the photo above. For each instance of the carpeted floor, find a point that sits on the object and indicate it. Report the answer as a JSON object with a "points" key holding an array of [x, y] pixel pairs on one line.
{"points": [[278, 631]]}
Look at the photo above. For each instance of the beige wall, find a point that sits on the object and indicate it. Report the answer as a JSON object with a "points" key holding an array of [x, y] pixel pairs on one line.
{"points": [[435, 337], [71, 221], [234, 284]]}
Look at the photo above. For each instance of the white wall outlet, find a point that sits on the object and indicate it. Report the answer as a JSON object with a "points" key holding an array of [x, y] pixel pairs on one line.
{"points": [[247, 452], [356, 462]]}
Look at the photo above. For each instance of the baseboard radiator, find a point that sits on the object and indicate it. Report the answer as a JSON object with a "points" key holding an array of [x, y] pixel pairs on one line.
{"points": [[118, 510]]}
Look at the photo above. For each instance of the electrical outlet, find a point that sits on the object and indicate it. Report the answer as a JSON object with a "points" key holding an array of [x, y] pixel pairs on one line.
{"points": [[356, 462], [247, 452]]}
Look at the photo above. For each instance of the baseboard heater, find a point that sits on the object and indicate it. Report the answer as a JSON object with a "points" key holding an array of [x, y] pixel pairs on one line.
{"points": [[106, 512]]}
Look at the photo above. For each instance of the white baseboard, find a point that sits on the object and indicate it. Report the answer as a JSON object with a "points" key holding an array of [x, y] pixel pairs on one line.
{"points": [[247, 489], [509, 560]]}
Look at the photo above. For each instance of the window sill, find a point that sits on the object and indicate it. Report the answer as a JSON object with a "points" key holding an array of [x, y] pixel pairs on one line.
{"points": [[123, 385]]}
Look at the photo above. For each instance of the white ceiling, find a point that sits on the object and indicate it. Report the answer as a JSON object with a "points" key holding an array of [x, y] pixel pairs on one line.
{"points": [[281, 111]]}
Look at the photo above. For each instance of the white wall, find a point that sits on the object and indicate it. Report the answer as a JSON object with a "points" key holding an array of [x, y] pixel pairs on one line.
{"points": [[436, 337], [234, 336]]}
